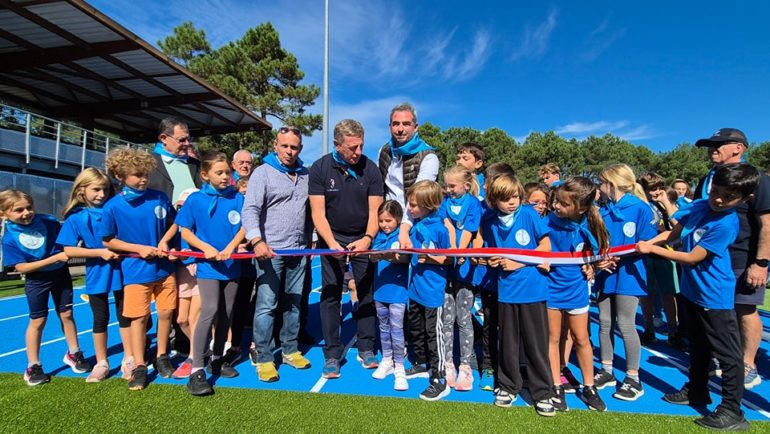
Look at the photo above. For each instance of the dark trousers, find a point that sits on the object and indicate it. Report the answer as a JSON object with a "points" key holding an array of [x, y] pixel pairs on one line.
{"points": [[307, 288], [715, 332], [524, 327], [332, 271], [243, 309], [489, 309], [426, 335]]}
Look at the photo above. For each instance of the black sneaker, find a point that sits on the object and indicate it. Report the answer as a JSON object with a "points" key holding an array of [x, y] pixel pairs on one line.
{"points": [[630, 390], [76, 362], [603, 379], [233, 355], [503, 398], [675, 340], [683, 397], [34, 375], [138, 378], [559, 400], [572, 383], [591, 397], [222, 368], [416, 371], [545, 408], [163, 366], [648, 337], [253, 356], [197, 384], [723, 420], [436, 390]]}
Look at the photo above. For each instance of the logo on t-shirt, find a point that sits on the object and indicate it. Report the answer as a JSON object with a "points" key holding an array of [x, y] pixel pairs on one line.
{"points": [[331, 183], [456, 208], [160, 212], [428, 245], [522, 237], [234, 217], [395, 245], [698, 234], [32, 240], [629, 229], [579, 247]]}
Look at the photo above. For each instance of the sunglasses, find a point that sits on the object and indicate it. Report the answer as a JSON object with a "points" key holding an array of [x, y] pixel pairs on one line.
{"points": [[296, 131]]}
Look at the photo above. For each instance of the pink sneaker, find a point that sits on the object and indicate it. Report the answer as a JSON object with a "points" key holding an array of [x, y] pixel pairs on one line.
{"points": [[127, 368], [450, 374], [464, 378], [183, 371], [99, 373]]}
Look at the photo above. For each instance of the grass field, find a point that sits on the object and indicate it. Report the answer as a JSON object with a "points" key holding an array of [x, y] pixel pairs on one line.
{"points": [[71, 405]]}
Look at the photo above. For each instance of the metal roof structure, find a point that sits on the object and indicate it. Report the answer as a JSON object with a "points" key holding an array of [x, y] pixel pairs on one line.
{"points": [[67, 60]]}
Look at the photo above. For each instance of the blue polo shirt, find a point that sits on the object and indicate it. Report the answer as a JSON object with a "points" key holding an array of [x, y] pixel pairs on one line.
{"points": [[628, 221], [79, 230], [711, 282], [465, 215], [143, 221], [527, 284], [32, 242], [215, 220], [427, 284], [567, 285], [390, 279], [346, 197]]}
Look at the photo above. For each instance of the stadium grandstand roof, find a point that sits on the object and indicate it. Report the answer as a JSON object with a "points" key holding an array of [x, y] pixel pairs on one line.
{"points": [[66, 60]]}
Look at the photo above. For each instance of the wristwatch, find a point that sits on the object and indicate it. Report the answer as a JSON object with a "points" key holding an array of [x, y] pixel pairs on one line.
{"points": [[762, 262]]}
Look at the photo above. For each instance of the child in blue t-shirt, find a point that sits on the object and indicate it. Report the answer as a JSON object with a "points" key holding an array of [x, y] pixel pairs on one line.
{"points": [[628, 219], [427, 284], [461, 211], [390, 296], [210, 222], [706, 229], [140, 221], [91, 190], [575, 227], [522, 295], [29, 245], [471, 156]]}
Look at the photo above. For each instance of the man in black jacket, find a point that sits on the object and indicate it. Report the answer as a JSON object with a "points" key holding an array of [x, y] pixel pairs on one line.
{"points": [[175, 171]]}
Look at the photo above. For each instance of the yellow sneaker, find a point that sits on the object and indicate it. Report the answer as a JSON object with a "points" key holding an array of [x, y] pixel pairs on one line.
{"points": [[296, 360], [267, 372]]}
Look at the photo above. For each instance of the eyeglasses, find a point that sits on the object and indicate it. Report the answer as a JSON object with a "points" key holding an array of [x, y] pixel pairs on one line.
{"points": [[183, 139], [296, 131], [243, 163]]}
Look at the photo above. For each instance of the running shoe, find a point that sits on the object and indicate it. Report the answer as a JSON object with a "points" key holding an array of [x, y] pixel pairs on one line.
{"points": [[35, 375], [603, 379], [487, 381], [591, 397], [331, 369], [197, 384], [503, 398], [436, 390], [99, 373], [630, 390], [76, 362]]}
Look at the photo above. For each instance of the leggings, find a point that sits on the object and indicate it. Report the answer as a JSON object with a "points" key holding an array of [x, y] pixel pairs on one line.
{"points": [[458, 306], [620, 308], [100, 306], [391, 318], [217, 298]]}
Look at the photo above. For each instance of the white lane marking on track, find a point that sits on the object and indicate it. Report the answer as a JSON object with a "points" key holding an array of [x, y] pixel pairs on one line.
{"points": [[322, 381]]}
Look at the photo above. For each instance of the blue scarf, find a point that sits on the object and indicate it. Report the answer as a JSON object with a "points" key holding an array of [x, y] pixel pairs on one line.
{"points": [[89, 216], [420, 228], [167, 156], [505, 224], [684, 202], [131, 194], [215, 194], [338, 158], [577, 230], [463, 202], [30, 238], [385, 241], [696, 211], [413, 146], [480, 178], [615, 209], [706, 187], [272, 160]]}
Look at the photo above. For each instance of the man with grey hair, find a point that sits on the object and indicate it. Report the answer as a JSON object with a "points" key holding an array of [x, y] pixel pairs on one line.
{"points": [[242, 165], [345, 190]]}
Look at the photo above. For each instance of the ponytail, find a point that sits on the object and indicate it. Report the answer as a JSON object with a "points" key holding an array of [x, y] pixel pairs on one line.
{"points": [[597, 228], [638, 191]]}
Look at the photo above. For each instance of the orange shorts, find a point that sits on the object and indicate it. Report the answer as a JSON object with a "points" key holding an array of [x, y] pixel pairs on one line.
{"points": [[137, 297]]}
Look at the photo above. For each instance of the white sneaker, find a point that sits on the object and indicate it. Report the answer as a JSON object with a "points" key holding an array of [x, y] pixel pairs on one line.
{"points": [[401, 383], [383, 370]]}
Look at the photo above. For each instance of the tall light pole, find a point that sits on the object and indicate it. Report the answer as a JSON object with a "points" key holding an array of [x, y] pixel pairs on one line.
{"points": [[325, 144]]}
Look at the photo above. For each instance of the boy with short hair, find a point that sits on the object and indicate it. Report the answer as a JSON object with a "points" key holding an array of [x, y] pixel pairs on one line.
{"points": [[140, 221], [471, 156], [706, 229], [550, 174]]}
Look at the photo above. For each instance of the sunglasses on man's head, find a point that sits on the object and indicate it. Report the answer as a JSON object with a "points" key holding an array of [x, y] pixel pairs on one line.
{"points": [[296, 131]]}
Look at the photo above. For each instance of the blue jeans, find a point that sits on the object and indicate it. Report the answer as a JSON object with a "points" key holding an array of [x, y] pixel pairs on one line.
{"points": [[279, 284]]}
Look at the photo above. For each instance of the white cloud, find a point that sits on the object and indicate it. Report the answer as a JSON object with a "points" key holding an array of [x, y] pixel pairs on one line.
{"points": [[534, 43], [599, 40], [622, 128]]}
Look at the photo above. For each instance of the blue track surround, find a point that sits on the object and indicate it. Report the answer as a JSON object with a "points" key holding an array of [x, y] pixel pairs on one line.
{"points": [[663, 369]]}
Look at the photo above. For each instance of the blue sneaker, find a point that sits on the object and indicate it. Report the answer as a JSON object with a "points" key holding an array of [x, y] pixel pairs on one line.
{"points": [[487, 381], [751, 377], [331, 369], [368, 359]]}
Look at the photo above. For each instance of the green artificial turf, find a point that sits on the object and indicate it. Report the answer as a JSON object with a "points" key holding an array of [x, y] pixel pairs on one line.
{"points": [[10, 288], [72, 405]]}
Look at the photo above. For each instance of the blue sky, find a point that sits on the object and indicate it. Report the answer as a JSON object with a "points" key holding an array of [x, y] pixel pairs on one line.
{"points": [[655, 73]]}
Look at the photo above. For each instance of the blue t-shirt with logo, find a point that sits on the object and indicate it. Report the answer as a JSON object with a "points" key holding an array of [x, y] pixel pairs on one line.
{"points": [[522, 230], [464, 215], [485, 277], [390, 279], [711, 282], [628, 221], [143, 220], [567, 285], [215, 220], [427, 283], [79, 230], [32, 242]]}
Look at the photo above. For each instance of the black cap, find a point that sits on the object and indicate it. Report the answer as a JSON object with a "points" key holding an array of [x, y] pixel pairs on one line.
{"points": [[725, 135]]}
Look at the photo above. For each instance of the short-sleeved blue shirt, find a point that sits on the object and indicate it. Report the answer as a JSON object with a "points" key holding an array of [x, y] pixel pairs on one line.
{"points": [[32, 243], [217, 228], [631, 222], [390, 279], [79, 230], [143, 221], [567, 285], [466, 219], [427, 283]]}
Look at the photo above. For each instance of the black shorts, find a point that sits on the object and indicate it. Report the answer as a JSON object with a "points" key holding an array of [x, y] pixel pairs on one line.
{"points": [[745, 294], [38, 287]]}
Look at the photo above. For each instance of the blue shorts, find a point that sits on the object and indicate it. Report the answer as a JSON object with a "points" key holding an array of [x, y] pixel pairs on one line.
{"points": [[744, 294], [38, 286]]}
